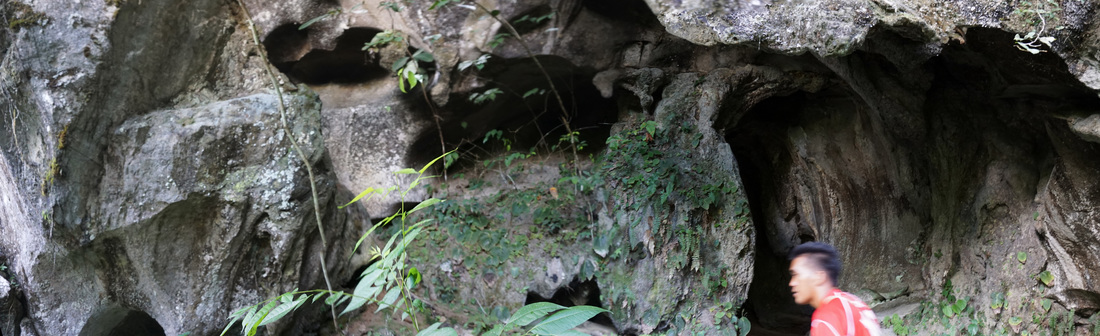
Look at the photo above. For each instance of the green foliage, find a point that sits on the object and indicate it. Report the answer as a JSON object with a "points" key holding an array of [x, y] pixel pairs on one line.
{"points": [[388, 273], [997, 300], [21, 15], [533, 19], [1046, 278], [563, 319], [478, 63], [1039, 14], [485, 96], [1021, 256], [327, 15], [384, 38], [651, 172], [498, 40]]}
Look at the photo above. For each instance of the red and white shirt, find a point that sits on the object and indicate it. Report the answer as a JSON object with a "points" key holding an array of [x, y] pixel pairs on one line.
{"points": [[843, 314]]}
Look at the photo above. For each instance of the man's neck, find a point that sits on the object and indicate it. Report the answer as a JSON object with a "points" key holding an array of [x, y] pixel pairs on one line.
{"points": [[820, 293]]}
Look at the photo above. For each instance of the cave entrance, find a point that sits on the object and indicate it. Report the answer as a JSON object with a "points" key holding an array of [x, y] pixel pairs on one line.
{"points": [[522, 113], [890, 154], [578, 293], [117, 320], [290, 50]]}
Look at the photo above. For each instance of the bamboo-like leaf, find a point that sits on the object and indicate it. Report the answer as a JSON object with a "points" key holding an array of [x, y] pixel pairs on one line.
{"points": [[281, 310], [405, 171], [435, 330], [314, 20], [369, 191], [566, 319], [363, 291], [253, 320], [434, 160], [389, 299], [236, 316], [332, 298], [529, 313], [364, 236], [426, 203]]}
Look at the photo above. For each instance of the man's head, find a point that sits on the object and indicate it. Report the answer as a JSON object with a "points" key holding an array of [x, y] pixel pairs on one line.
{"points": [[815, 268]]}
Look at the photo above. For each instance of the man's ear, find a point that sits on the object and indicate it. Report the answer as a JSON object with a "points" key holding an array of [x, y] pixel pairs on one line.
{"points": [[820, 278]]}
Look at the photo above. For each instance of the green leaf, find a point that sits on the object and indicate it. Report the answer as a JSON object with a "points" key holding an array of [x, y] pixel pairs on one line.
{"points": [[233, 318], [390, 298], [366, 289], [1046, 304], [497, 330], [281, 310], [252, 321], [529, 313], [400, 63], [1046, 278], [566, 319], [1021, 256], [1015, 321], [949, 310], [369, 191], [530, 92], [743, 326], [434, 330], [960, 305], [405, 171], [425, 168], [426, 203], [312, 21], [414, 275], [423, 56]]}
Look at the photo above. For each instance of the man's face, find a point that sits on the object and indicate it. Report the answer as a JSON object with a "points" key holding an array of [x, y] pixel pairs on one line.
{"points": [[804, 278]]}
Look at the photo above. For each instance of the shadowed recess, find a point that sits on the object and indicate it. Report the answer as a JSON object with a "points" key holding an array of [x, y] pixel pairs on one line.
{"points": [[523, 110], [578, 293], [117, 320], [894, 169], [347, 63]]}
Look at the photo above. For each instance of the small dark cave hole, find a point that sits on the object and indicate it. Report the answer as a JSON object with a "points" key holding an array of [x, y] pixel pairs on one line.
{"points": [[577, 293], [633, 12], [525, 112], [121, 321], [757, 146], [347, 63], [353, 279]]}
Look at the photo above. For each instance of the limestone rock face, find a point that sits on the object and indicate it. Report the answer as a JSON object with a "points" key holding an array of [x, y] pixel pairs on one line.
{"points": [[147, 182]]}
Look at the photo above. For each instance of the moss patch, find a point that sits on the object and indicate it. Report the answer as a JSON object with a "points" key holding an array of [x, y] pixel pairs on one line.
{"points": [[21, 15]]}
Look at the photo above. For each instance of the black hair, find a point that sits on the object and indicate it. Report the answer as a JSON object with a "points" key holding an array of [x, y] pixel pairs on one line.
{"points": [[822, 256]]}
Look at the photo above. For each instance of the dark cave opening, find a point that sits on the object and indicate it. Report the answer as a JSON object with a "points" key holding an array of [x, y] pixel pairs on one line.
{"points": [[290, 51], [935, 128], [117, 320], [524, 111], [577, 293]]}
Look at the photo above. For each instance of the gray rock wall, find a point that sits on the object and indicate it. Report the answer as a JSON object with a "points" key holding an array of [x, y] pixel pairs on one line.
{"points": [[145, 175]]}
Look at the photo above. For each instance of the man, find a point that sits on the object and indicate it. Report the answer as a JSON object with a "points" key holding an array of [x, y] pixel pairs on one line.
{"points": [[815, 268]]}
